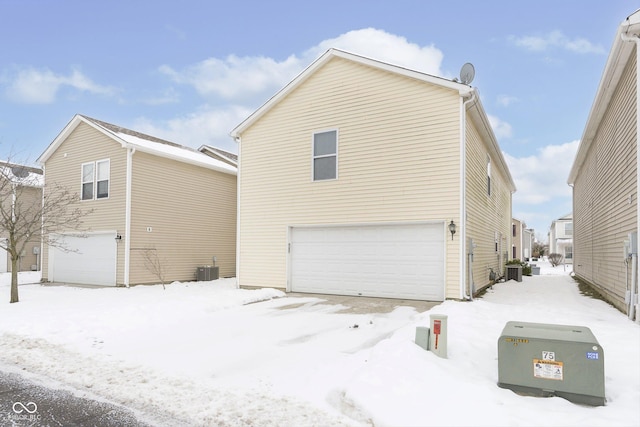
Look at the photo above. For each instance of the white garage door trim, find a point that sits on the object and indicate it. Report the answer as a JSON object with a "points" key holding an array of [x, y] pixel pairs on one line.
{"points": [[390, 260], [92, 263]]}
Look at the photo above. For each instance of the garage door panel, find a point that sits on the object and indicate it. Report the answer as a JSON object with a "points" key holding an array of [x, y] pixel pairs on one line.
{"points": [[399, 261], [89, 260]]}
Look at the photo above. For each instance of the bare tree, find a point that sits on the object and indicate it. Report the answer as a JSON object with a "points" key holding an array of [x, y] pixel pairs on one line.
{"points": [[32, 212], [555, 259], [154, 265]]}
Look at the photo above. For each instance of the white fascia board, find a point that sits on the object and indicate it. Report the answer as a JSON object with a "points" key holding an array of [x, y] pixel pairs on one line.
{"points": [[479, 116], [462, 89], [177, 154], [64, 134], [619, 55]]}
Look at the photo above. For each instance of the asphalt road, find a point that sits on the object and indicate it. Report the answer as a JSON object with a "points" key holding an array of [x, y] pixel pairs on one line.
{"points": [[25, 403]]}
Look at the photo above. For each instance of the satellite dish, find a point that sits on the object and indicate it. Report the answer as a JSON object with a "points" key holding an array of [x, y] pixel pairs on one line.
{"points": [[20, 172], [467, 73]]}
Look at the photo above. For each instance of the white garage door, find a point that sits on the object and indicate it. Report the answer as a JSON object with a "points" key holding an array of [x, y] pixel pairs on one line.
{"points": [[391, 261], [91, 262]]}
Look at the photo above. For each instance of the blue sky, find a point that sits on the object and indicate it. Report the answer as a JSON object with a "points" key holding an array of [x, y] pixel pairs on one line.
{"points": [[190, 71]]}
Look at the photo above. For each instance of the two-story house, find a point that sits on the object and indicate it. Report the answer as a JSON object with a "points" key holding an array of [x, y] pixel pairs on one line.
{"points": [[561, 238], [152, 203], [605, 177], [365, 178]]}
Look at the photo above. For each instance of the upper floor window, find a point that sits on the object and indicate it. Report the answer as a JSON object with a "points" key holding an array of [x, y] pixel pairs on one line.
{"points": [[568, 229], [513, 230], [325, 155], [95, 180]]}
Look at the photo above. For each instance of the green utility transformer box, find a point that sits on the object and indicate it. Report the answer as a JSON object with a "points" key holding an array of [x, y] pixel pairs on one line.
{"points": [[552, 360]]}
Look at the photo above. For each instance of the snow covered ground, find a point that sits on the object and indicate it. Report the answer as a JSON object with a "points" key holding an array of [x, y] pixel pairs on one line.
{"points": [[205, 353]]}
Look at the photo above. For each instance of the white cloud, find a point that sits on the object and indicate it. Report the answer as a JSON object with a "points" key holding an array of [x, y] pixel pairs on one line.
{"points": [[248, 81], [205, 126], [240, 78], [236, 77], [33, 86], [385, 47], [556, 39], [500, 128], [506, 100], [542, 178]]}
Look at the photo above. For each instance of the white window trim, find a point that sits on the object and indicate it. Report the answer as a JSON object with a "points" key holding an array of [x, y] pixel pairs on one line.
{"points": [[108, 161], [95, 180], [313, 157]]}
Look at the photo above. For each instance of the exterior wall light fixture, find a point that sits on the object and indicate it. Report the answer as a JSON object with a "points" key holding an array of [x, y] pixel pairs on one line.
{"points": [[452, 228]]}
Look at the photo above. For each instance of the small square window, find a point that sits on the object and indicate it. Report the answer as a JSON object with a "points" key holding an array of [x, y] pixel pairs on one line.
{"points": [[325, 155]]}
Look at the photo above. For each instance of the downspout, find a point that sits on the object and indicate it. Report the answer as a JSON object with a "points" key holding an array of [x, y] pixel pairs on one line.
{"points": [[634, 266], [127, 217], [463, 197], [238, 217], [42, 236]]}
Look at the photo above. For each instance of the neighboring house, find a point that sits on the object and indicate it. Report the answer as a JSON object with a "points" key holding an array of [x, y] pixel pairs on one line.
{"points": [[605, 174], [350, 177], [151, 200], [528, 239], [561, 238], [22, 190], [517, 239]]}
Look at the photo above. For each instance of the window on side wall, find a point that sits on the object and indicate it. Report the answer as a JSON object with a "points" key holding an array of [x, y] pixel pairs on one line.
{"points": [[568, 229], [568, 252], [95, 180], [325, 155]]}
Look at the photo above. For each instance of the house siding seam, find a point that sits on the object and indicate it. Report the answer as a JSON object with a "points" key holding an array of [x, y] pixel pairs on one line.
{"points": [[605, 195], [398, 161], [486, 214], [64, 168], [186, 219]]}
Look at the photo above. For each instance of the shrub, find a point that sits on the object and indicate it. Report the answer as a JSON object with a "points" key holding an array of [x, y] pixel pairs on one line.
{"points": [[555, 259]]}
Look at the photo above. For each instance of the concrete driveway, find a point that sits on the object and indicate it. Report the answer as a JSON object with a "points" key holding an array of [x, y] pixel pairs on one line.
{"points": [[364, 305]]}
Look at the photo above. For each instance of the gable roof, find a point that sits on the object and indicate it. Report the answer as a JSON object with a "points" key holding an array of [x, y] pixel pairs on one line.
{"points": [[476, 111], [218, 153], [619, 55], [141, 142], [326, 57]]}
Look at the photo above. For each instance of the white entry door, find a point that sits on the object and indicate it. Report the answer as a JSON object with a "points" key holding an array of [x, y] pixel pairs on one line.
{"points": [[392, 261], [90, 260]]}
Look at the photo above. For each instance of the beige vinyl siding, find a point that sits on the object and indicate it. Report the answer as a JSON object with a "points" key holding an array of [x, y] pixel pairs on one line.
{"points": [[398, 160], [64, 167], [191, 212], [605, 195], [486, 215]]}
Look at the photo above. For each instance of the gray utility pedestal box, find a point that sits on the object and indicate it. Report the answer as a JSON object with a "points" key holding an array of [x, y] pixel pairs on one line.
{"points": [[207, 273], [551, 360], [514, 272]]}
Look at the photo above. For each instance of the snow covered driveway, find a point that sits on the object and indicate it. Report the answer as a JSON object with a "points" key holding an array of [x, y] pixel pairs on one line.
{"points": [[206, 353]]}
